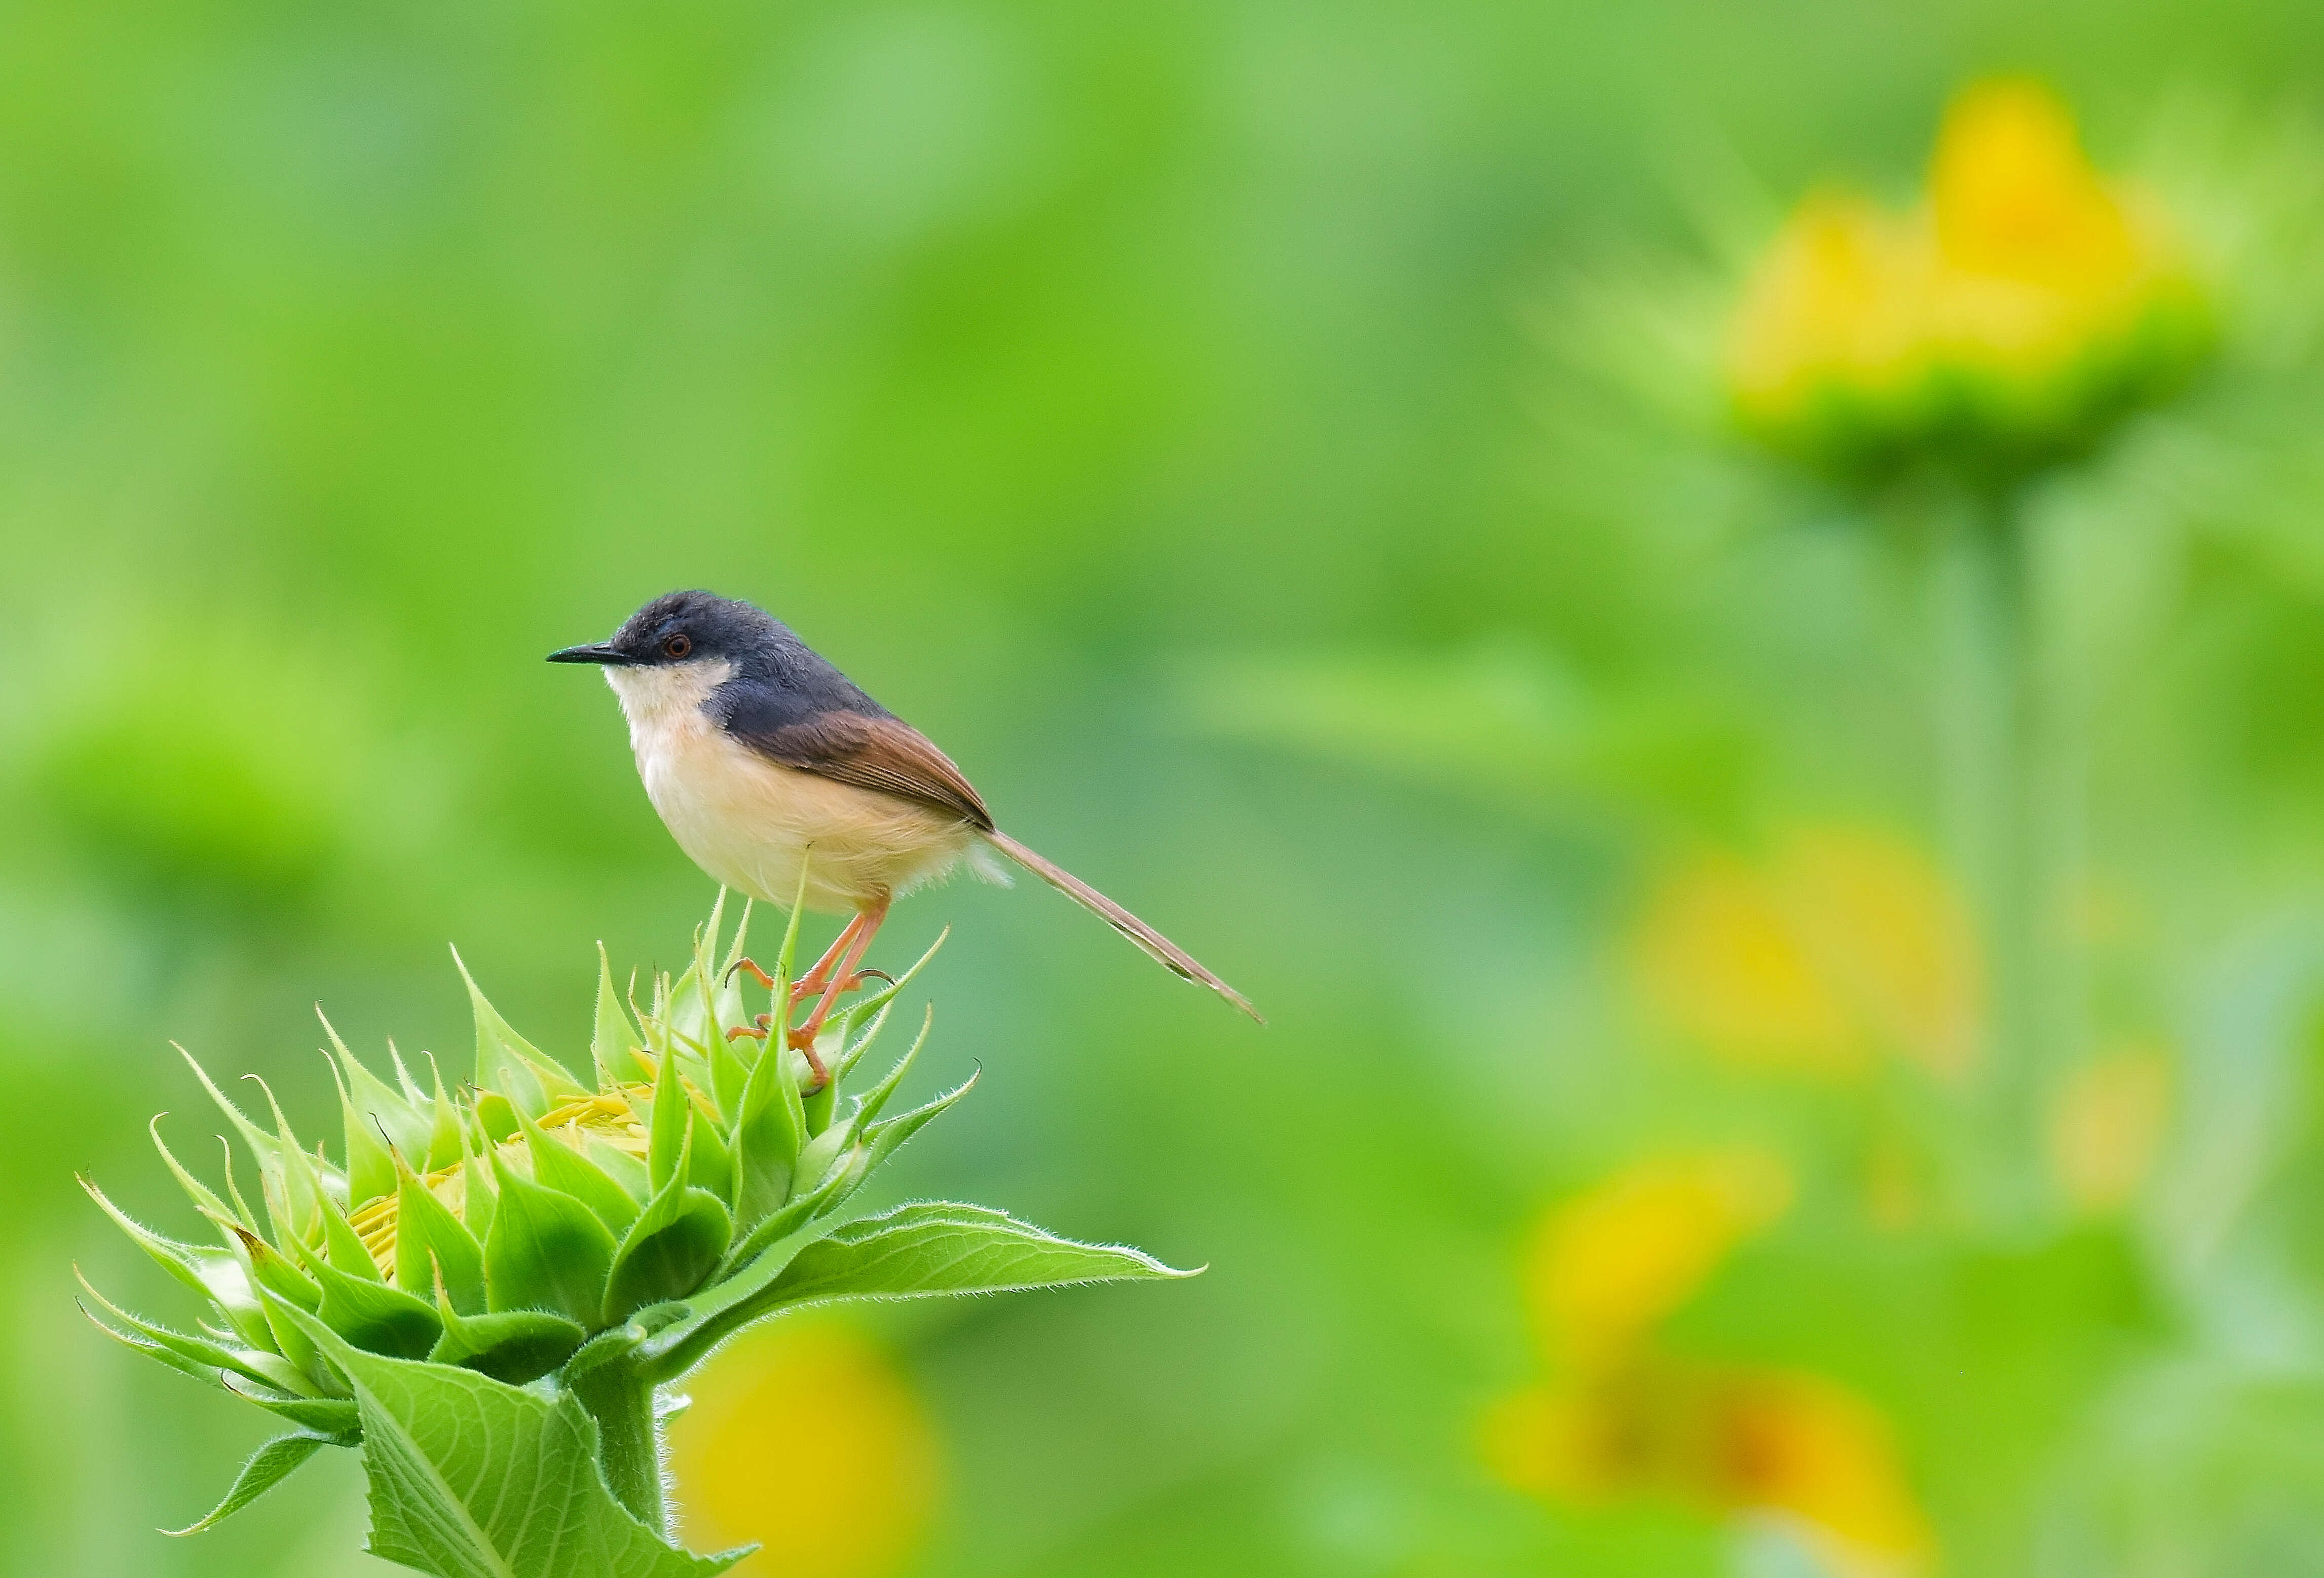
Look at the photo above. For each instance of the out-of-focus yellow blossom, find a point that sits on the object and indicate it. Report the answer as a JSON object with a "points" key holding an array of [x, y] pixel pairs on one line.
{"points": [[2015, 200], [1893, 939], [807, 1414], [1846, 943], [1831, 342], [1610, 1264], [1718, 959], [1800, 1445], [1624, 1419], [1762, 1443], [2107, 1126], [2021, 307]]}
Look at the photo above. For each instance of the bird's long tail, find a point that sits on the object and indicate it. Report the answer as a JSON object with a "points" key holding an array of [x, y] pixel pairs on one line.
{"points": [[1152, 942]]}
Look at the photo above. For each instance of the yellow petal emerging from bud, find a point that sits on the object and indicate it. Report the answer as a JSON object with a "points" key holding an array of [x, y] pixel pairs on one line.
{"points": [[606, 1120]]}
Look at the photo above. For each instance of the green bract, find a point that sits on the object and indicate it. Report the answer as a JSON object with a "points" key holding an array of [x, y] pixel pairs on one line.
{"points": [[486, 1288]]}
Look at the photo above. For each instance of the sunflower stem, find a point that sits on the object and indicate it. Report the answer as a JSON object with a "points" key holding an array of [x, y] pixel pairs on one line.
{"points": [[629, 1438], [1992, 706]]}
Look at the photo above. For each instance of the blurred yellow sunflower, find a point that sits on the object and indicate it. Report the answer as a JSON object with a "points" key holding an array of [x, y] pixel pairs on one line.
{"points": [[2108, 1125], [1844, 944], [2019, 308], [1624, 1419], [807, 1413], [1762, 1443], [1613, 1262]]}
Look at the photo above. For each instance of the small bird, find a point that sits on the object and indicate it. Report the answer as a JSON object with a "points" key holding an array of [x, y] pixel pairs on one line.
{"points": [[760, 755]]}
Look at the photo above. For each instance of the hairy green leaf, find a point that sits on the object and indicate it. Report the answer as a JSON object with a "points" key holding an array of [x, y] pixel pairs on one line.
{"points": [[377, 1120], [293, 1183], [546, 1250], [216, 1275], [471, 1477], [161, 1354], [375, 1316], [262, 1146], [872, 1144], [614, 1043], [343, 1248], [562, 1167], [432, 1246], [626, 1170], [507, 1061], [515, 1346], [672, 1247], [667, 1127], [196, 1191], [268, 1369], [710, 1164], [298, 1348], [447, 1138], [921, 1251], [267, 1468], [767, 1137], [333, 1416], [268, 1268], [869, 1105], [726, 1305], [371, 1164]]}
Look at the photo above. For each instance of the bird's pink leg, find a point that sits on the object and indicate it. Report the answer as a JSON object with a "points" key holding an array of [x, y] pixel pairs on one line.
{"points": [[865, 927], [812, 982]]}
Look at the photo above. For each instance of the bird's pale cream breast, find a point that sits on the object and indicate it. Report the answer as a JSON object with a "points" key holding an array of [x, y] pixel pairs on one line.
{"points": [[749, 821]]}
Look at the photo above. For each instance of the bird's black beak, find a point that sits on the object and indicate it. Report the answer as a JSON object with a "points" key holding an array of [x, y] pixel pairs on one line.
{"points": [[594, 652]]}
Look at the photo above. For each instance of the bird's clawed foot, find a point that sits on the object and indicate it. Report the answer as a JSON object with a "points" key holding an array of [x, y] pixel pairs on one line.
{"points": [[801, 1040], [834, 973], [750, 967], [813, 982]]}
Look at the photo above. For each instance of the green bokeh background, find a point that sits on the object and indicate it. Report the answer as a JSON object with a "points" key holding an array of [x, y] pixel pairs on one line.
{"points": [[1199, 419]]}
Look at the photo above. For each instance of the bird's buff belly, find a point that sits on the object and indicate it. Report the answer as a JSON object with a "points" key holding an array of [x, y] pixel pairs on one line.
{"points": [[751, 823]]}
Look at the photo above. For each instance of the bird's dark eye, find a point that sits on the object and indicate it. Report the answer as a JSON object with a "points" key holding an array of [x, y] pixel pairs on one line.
{"points": [[678, 645]]}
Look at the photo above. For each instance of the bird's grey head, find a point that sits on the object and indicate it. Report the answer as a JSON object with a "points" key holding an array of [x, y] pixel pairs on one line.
{"points": [[672, 656], [683, 629], [686, 652]]}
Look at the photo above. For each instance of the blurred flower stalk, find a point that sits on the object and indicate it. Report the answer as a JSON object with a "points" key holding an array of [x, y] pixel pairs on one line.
{"points": [[1937, 366], [488, 1289]]}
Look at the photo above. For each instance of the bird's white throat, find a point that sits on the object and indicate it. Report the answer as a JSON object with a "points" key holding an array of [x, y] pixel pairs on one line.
{"points": [[665, 696]]}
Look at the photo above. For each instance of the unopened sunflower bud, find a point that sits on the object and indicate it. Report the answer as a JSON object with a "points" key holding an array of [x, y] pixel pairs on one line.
{"points": [[524, 1227]]}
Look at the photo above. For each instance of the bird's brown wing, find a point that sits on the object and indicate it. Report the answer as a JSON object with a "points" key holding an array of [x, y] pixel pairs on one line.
{"points": [[882, 753]]}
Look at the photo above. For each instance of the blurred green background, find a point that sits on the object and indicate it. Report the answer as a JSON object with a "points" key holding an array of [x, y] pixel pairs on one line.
{"points": [[1271, 447]]}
